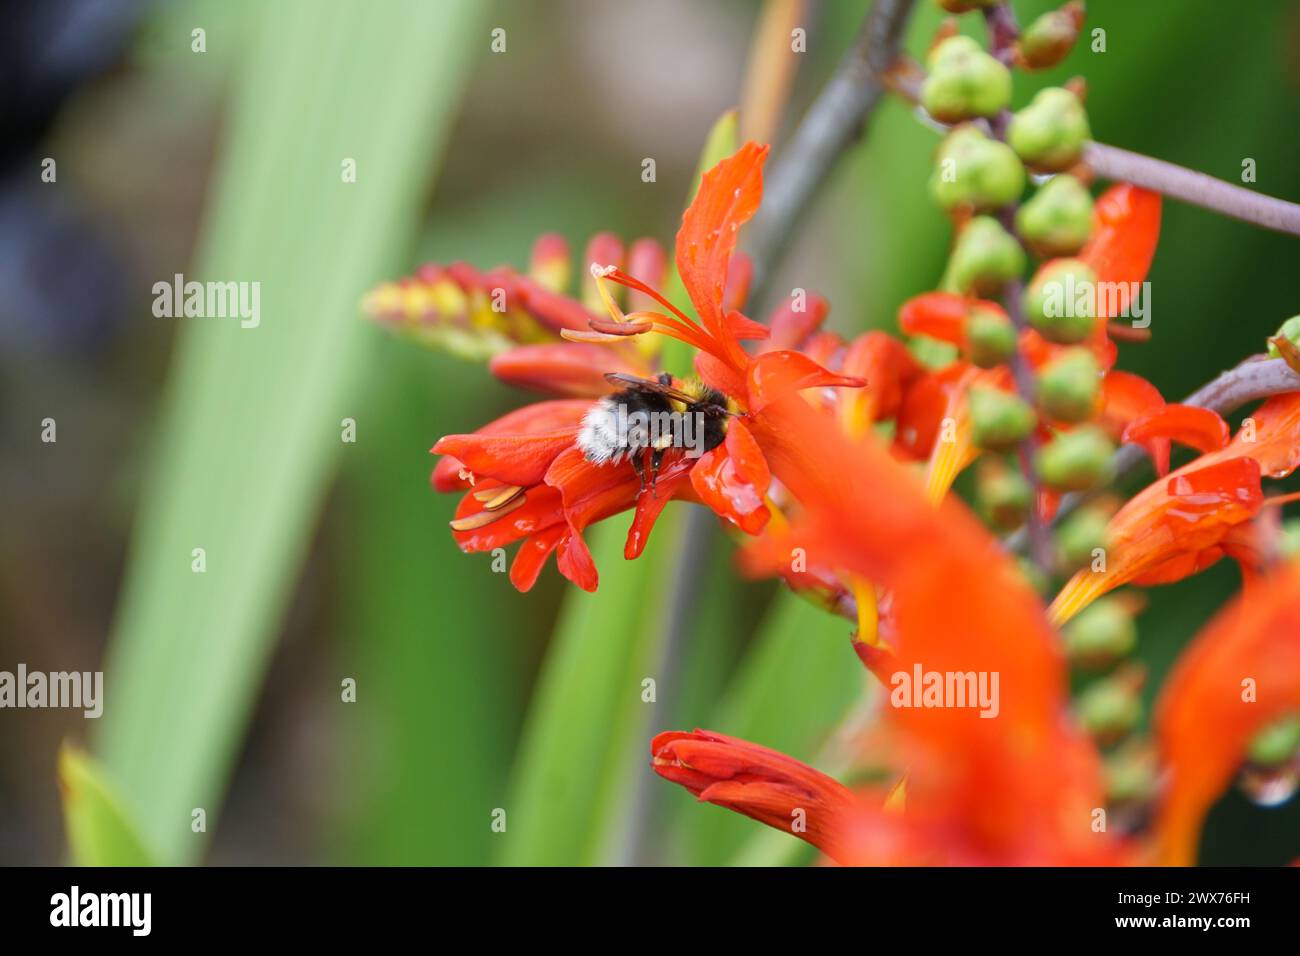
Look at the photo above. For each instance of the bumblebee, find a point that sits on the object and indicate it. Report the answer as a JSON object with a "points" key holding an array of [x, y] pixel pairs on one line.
{"points": [[647, 416]]}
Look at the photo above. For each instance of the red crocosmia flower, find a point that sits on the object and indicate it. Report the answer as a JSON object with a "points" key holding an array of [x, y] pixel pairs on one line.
{"points": [[1014, 788], [764, 785], [1206, 716], [532, 479], [1185, 522]]}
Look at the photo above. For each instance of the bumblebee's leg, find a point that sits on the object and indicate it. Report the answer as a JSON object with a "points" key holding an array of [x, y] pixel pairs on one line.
{"points": [[656, 459], [638, 465]]}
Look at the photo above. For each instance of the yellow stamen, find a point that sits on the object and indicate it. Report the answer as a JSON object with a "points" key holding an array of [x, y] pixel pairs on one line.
{"points": [[864, 594], [1080, 591], [480, 519]]}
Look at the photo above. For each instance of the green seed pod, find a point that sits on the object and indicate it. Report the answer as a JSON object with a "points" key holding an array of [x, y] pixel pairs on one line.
{"points": [[1276, 744], [1047, 41], [1289, 544], [1109, 708], [976, 172], [964, 82], [1061, 301], [1004, 496], [1131, 775], [990, 337], [985, 258], [1057, 220], [1069, 386], [999, 420], [1050, 132], [1102, 633], [1290, 329], [1075, 460], [1079, 535]]}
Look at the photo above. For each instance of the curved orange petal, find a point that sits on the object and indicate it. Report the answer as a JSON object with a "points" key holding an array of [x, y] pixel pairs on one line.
{"points": [[763, 784], [728, 196], [773, 375], [1125, 233], [715, 480], [1198, 428], [939, 315], [747, 458], [564, 368], [889, 367], [510, 459], [1203, 720], [791, 327], [531, 557]]}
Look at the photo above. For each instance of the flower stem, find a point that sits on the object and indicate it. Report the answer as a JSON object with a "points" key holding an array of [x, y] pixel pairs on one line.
{"points": [[1189, 186]]}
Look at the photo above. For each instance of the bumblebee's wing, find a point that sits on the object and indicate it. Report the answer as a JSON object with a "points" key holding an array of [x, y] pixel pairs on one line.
{"points": [[650, 385]]}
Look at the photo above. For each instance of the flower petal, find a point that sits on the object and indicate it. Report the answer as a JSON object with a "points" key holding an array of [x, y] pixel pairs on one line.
{"points": [[728, 196], [1125, 233], [718, 486], [773, 375], [1204, 720], [531, 557], [563, 368], [939, 315], [1198, 428]]}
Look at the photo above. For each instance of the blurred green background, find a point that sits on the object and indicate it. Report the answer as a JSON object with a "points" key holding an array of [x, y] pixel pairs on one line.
{"points": [[331, 560]]}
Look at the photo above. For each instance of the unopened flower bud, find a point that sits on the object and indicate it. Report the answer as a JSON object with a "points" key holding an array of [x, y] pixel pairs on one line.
{"points": [[1057, 220], [1069, 386], [990, 336], [1101, 634], [1290, 330], [986, 256], [1047, 41], [1061, 301], [1276, 744], [1050, 132], [999, 420], [1131, 775], [1111, 707], [964, 82], [976, 172], [1004, 495], [1079, 536], [1076, 460]]}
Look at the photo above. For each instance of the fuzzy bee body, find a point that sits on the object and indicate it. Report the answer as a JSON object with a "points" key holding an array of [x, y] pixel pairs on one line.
{"points": [[619, 425]]}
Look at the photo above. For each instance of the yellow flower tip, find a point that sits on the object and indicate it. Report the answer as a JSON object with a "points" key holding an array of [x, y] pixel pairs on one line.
{"points": [[896, 799], [864, 594], [948, 461], [1080, 591]]}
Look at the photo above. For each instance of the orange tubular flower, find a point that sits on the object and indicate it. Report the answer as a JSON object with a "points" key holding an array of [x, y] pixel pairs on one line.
{"points": [[1183, 523], [1240, 673], [764, 785], [1016, 788], [532, 478]]}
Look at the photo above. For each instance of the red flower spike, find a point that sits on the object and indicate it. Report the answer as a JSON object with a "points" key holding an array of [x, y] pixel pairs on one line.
{"points": [[564, 368], [762, 784], [1125, 233], [773, 375], [1198, 428], [1255, 638]]}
